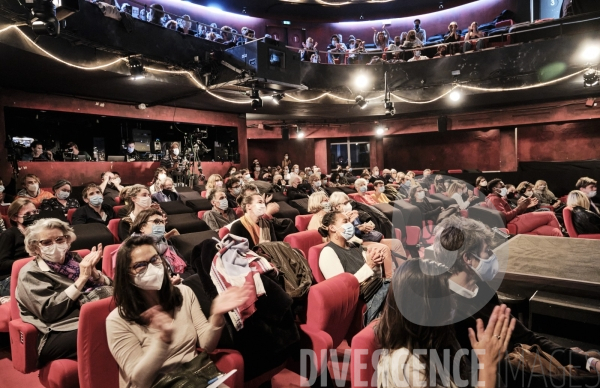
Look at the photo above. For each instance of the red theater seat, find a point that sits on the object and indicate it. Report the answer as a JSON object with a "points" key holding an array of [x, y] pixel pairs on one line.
{"points": [[117, 208], [330, 310], [118, 199], [432, 189], [113, 227], [223, 232], [203, 194], [201, 213], [304, 240], [70, 214], [567, 217], [455, 171], [313, 261], [363, 372], [6, 220], [302, 222], [107, 262]]}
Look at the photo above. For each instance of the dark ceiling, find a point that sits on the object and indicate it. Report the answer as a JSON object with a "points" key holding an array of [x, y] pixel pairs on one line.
{"points": [[349, 10]]}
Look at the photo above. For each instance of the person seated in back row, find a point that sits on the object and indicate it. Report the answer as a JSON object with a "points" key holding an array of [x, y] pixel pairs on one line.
{"points": [[588, 186], [361, 188], [95, 211], [62, 202], [584, 220], [32, 191], [167, 192], [220, 214]]}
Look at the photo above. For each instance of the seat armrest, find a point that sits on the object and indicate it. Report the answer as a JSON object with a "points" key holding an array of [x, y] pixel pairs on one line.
{"points": [[318, 343], [226, 360], [23, 345]]}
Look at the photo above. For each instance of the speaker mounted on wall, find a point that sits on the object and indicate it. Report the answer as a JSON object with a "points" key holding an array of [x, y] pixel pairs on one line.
{"points": [[285, 133]]}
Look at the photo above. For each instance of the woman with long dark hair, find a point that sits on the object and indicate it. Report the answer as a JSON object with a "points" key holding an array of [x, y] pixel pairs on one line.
{"points": [[416, 326], [157, 326]]}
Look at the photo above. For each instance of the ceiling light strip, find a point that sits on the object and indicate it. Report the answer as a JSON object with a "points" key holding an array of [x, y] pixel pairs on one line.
{"points": [[524, 87]]}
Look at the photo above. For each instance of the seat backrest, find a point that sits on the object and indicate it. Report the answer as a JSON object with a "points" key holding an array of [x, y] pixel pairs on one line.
{"points": [[355, 197], [302, 222], [201, 213], [364, 345], [331, 306], [313, 261], [14, 279], [476, 191], [117, 208], [504, 23], [6, 221], [304, 240], [107, 260], [203, 194], [96, 366], [432, 189], [455, 171], [113, 227], [70, 214], [568, 219], [223, 232], [490, 217]]}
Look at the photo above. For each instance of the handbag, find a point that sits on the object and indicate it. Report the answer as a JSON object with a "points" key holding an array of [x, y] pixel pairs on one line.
{"points": [[193, 374], [372, 236], [369, 287]]}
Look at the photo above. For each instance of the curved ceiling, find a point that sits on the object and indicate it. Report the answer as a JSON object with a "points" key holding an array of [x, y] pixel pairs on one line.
{"points": [[331, 10]]}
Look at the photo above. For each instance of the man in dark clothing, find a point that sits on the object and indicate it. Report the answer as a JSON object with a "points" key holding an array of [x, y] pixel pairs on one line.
{"points": [[295, 191], [131, 155], [38, 154], [95, 211], [234, 188]]}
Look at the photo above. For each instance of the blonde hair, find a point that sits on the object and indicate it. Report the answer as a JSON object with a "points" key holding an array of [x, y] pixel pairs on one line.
{"points": [[15, 207], [315, 200], [539, 183], [526, 185], [455, 187], [578, 198], [130, 192], [210, 183], [338, 198], [32, 233], [245, 200]]}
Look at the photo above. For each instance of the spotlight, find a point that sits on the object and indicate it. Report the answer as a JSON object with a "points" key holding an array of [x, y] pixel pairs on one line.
{"points": [[591, 53], [244, 11], [277, 98], [44, 20], [299, 133], [361, 81], [361, 102], [389, 108], [455, 95], [361, 17], [590, 78], [441, 5], [380, 131], [256, 100], [136, 68]]}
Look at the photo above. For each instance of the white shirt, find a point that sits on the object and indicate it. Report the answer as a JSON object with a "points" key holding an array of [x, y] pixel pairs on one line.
{"points": [[462, 204], [330, 266], [460, 290]]}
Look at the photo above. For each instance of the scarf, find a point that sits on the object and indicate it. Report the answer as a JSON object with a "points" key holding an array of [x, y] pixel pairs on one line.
{"points": [[260, 232], [70, 269]]}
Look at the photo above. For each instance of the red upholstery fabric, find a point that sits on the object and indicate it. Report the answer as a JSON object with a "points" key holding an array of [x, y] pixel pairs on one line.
{"points": [[4, 211], [355, 197], [23, 345], [330, 309], [117, 208], [476, 192], [567, 217], [563, 199], [201, 213], [118, 199], [304, 240], [362, 366], [227, 360], [70, 214], [60, 374], [4, 317], [6, 221], [223, 232], [107, 262], [302, 222], [455, 171], [432, 189], [313, 262], [203, 194], [113, 227], [413, 235], [239, 212], [14, 277]]}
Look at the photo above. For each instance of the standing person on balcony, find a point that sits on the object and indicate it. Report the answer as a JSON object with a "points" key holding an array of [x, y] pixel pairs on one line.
{"points": [[451, 38], [421, 34], [335, 50]]}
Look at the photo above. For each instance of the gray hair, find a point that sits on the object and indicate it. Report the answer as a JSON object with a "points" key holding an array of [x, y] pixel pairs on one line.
{"points": [[456, 236], [32, 233], [337, 198], [360, 182], [315, 200]]}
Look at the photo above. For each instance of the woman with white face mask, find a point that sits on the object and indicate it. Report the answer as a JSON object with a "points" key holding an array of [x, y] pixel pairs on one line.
{"points": [[544, 195], [160, 175], [136, 199], [53, 286], [31, 190], [428, 210], [318, 206], [255, 225], [360, 185], [340, 256], [157, 326], [63, 200]]}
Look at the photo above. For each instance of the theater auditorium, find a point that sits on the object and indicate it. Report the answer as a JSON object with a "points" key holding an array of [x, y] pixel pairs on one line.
{"points": [[256, 194]]}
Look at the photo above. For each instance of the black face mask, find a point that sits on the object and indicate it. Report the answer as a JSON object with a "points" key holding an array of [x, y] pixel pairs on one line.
{"points": [[510, 195], [30, 219], [167, 192]]}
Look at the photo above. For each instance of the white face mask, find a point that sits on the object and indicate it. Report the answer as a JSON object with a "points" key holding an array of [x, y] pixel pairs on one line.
{"points": [[488, 268], [528, 193], [175, 151], [256, 168], [347, 208], [152, 279], [326, 206], [483, 183], [162, 177], [33, 187], [317, 183], [144, 202], [219, 184], [223, 204], [381, 189], [55, 252], [591, 194], [296, 170], [62, 195], [259, 209], [421, 195], [503, 192]]}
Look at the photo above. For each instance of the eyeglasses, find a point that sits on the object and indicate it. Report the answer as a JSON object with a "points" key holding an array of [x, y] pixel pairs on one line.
{"points": [[157, 221], [140, 267], [31, 213], [56, 240]]}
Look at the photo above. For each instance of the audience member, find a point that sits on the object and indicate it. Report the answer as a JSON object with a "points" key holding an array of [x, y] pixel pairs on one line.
{"points": [[22, 214], [184, 25], [541, 223], [286, 162], [428, 210], [357, 51], [136, 199], [584, 220], [278, 184], [61, 200], [335, 50], [318, 206], [167, 192], [412, 41], [234, 189], [438, 183], [421, 34], [215, 181], [417, 315], [417, 56], [473, 38], [381, 38], [172, 160], [308, 49], [544, 195], [481, 184], [456, 192], [37, 154], [222, 213], [256, 174], [159, 177], [588, 187], [53, 286], [155, 14], [370, 266], [230, 172], [441, 52], [131, 155], [96, 211], [110, 186], [451, 37], [360, 185], [315, 183], [379, 195], [295, 191], [157, 326], [75, 152], [32, 191]]}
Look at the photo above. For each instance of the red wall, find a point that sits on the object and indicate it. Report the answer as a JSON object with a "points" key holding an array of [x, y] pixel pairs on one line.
{"points": [[270, 152]]}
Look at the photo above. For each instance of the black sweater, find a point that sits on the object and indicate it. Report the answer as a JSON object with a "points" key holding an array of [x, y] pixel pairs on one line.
{"points": [[12, 248]]}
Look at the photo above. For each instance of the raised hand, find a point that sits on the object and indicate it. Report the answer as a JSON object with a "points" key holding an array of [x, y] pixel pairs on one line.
{"points": [[492, 341], [160, 320], [233, 298], [87, 267]]}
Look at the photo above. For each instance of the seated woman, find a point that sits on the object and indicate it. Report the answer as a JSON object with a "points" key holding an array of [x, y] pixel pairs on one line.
{"points": [[337, 180], [428, 211], [167, 192], [316, 184], [364, 228], [584, 220], [53, 286], [214, 182], [62, 202], [22, 214], [482, 185], [545, 196], [296, 189], [159, 177], [418, 315], [256, 225], [540, 223], [318, 206], [157, 326], [340, 256], [220, 214], [456, 191], [379, 196], [438, 184], [151, 223], [31, 190], [360, 185], [136, 199]]}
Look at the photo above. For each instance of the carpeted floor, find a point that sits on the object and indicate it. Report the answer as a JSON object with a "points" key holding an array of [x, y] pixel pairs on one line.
{"points": [[9, 377]]}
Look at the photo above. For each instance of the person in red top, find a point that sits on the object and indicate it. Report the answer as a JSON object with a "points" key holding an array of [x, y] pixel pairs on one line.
{"points": [[540, 223], [361, 188]]}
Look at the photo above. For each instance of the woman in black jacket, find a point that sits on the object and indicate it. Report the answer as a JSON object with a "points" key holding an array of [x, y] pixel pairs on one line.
{"points": [[428, 211], [584, 220]]}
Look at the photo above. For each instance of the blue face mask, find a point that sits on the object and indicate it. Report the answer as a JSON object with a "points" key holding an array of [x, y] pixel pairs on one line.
{"points": [[96, 200], [347, 231], [130, 149], [158, 231], [363, 189]]}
